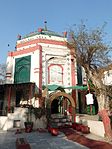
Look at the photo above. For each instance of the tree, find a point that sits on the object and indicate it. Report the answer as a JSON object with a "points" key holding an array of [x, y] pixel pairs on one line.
{"points": [[2, 73], [94, 55]]}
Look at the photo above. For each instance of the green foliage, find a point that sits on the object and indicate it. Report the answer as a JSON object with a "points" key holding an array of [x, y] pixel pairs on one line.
{"points": [[38, 112]]}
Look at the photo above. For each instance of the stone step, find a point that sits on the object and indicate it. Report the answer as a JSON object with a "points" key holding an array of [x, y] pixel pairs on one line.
{"points": [[59, 121]]}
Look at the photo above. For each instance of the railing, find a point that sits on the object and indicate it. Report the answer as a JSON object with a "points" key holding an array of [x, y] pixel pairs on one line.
{"points": [[5, 112]]}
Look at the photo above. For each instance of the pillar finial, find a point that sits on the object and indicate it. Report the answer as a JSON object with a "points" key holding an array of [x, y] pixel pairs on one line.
{"points": [[45, 23]]}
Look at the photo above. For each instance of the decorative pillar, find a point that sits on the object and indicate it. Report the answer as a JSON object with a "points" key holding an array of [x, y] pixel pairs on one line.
{"points": [[73, 76], [9, 98], [73, 115], [30, 94], [40, 70]]}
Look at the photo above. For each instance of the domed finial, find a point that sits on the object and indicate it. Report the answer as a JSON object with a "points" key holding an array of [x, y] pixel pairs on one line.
{"points": [[45, 23]]}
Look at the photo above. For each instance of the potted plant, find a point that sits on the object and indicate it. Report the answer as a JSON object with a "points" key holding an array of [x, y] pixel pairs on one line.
{"points": [[28, 126], [38, 112]]}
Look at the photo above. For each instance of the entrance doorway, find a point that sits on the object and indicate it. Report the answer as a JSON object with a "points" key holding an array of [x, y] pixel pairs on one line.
{"points": [[61, 103], [19, 95], [55, 106]]}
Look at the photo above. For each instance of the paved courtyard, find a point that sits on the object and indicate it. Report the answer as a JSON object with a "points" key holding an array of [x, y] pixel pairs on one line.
{"points": [[38, 140]]}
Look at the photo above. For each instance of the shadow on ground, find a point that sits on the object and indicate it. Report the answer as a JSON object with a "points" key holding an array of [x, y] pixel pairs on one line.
{"points": [[92, 144]]}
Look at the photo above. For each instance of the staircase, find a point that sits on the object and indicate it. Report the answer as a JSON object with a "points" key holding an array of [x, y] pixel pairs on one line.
{"points": [[59, 121]]}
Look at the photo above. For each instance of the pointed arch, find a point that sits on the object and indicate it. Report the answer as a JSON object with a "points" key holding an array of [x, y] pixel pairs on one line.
{"points": [[55, 95]]}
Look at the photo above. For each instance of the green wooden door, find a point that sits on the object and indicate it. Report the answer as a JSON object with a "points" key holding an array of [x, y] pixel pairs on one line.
{"points": [[22, 69]]}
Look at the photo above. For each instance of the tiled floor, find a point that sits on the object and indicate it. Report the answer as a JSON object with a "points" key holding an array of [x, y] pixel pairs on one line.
{"points": [[38, 140]]}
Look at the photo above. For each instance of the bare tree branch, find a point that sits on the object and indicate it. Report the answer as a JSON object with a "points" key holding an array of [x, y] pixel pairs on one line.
{"points": [[92, 53]]}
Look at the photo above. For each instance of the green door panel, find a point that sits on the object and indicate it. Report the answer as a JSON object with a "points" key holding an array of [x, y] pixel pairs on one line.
{"points": [[22, 69]]}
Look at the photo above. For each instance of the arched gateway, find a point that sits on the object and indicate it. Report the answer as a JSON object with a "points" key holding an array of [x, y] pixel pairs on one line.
{"points": [[55, 95], [66, 97]]}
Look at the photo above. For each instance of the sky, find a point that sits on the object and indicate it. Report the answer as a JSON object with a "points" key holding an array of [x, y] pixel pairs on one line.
{"points": [[25, 16]]}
